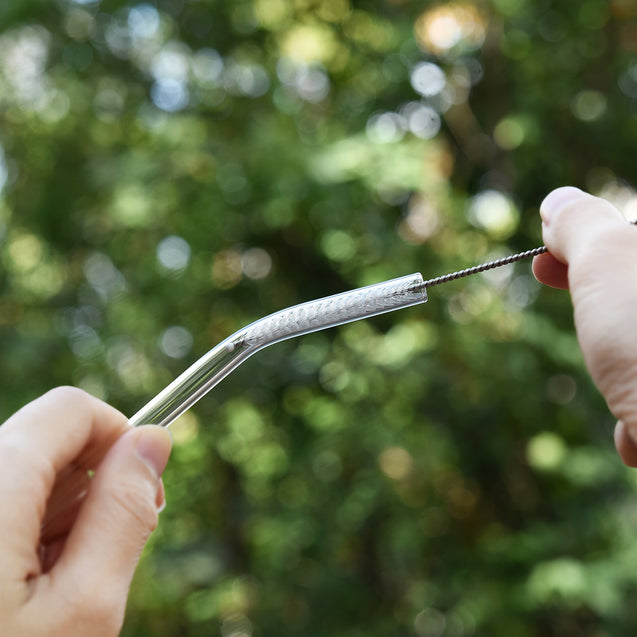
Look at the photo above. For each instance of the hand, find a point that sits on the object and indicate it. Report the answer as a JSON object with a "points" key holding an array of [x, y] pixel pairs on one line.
{"points": [[593, 253], [78, 583]]}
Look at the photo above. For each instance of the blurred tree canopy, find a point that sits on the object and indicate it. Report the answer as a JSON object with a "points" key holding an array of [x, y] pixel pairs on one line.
{"points": [[172, 170]]}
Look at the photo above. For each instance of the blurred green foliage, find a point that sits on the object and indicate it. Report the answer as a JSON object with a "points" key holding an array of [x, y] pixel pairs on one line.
{"points": [[172, 170]]}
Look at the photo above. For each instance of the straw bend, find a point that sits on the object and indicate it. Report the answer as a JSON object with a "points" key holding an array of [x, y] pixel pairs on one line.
{"points": [[300, 319]]}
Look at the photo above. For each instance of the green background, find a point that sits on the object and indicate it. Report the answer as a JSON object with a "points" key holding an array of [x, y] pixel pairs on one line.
{"points": [[172, 171]]}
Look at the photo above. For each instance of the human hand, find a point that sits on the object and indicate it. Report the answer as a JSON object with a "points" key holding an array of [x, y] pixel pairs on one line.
{"points": [[593, 253], [76, 584]]}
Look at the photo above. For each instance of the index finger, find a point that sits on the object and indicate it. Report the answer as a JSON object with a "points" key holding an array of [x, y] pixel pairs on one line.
{"points": [[548, 270], [64, 426]]}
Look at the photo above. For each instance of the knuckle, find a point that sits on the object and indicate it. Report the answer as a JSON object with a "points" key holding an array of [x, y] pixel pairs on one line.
{"points": [[66, 394], [16, 453]]}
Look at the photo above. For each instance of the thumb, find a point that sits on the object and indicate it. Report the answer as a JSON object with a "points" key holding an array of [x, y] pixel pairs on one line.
{"points": [[575, 226], [573, 220], [120, 512], [597, 247]]}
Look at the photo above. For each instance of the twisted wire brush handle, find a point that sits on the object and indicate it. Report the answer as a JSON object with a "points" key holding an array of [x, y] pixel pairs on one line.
{"points": [[453, 276], [485, 266]]}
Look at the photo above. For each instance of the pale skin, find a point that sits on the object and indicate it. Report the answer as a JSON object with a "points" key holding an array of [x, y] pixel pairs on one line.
{"points": [[77, 582], [593, 253]]}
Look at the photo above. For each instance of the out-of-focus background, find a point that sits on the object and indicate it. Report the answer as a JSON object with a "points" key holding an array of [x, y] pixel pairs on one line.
{"points": [[172, 170]]}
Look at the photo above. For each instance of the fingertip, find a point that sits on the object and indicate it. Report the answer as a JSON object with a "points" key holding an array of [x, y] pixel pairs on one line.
{"points": [[153, 445], [625, 445], [558, 199], [573, 221], [549, 271]]}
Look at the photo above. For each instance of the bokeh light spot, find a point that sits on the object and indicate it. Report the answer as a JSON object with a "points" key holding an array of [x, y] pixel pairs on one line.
{"points": [[589, 106], [494, 212], [173, 253], [185, 428], [79, 24], [25, 251], [561, 578], [561, 389], [170, 95], [207, 67], [395, 462], [509, 133], [175, 341], [430, 622], [428, 79], [310, 43], [445, 27], [272, 14], [385, 128], [132, 205], [143, 21], [422, 120], [338, 245], [227, 269], [251, 80], [103, 276], [546, 451], [256, 263]]}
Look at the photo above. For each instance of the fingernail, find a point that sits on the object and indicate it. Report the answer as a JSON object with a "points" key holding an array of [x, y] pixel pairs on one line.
{"points": [[153, 447], [557, 199], [160, 498]]}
